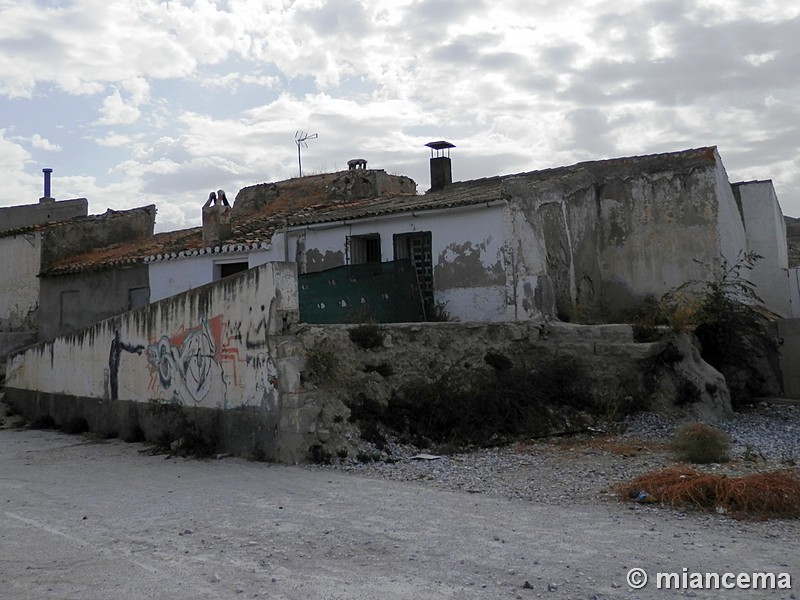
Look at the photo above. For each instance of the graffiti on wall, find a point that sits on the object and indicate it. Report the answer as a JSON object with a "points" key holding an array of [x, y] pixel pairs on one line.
{"points": [[188, 367], [210, 364], [261, 382], [117, 348]]}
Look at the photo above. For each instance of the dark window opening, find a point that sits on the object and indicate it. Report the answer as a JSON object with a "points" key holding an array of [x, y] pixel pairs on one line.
{"points": [[228, 269], [364, 249]]}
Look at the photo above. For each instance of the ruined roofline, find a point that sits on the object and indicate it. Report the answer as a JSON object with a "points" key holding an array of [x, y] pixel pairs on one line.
{"points": [[124, 254], [691, 158]]}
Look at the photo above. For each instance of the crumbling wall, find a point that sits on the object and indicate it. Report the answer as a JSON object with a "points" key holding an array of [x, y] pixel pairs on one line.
{"points": [[325, 188], [614, 232], [97, 231], [218, 355]]}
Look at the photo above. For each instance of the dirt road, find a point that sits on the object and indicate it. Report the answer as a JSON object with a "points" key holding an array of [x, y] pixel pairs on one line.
{"points": [[84, 520]]}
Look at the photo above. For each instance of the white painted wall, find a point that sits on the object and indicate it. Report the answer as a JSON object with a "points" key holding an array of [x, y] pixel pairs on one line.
{"points": [[19, 284], [475, 235], [211, 348], [765, 231], [178, 275]]}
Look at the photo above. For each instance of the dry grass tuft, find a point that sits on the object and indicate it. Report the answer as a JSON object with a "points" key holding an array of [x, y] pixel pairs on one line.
{"points": [[701, 443], [759, 496]]}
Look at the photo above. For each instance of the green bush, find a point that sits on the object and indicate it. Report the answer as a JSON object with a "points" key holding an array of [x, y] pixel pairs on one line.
{"points": [[323, 364], [730, 331], [471, 406], [700, 444]]}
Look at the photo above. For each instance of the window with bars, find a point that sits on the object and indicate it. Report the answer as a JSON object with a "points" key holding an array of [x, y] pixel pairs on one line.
{"points": [[364, 248]]}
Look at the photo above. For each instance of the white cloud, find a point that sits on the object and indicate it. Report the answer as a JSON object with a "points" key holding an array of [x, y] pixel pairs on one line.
{"points": [[41, 143], [116, 111], [201, 95], [19, 182], [114, 140]]}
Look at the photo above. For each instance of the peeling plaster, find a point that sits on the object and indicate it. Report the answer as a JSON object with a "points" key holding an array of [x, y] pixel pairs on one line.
{"points": [[316, 261], [464, 266]]}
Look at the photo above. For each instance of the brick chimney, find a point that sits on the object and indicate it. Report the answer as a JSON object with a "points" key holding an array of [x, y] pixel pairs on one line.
{"points": [[216, 224], [441, 171]]}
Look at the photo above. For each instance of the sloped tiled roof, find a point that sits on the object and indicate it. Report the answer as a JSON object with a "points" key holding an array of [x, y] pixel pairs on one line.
{"points": [[252, 231]]}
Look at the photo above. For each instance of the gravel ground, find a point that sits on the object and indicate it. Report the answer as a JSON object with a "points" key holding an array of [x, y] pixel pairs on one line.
{"points": [[582, 469], [97, 520]]}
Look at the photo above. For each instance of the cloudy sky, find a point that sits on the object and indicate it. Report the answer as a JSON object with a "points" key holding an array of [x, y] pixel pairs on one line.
{"points": [[134, 102]]}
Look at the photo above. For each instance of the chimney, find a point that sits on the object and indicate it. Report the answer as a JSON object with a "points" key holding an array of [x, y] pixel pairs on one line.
{"points": [[216, 223], [47, 197], [441, 171]]}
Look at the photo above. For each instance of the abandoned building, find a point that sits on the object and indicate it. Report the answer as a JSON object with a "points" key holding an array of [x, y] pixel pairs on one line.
{"points": [[593, 238], [207, 317]]}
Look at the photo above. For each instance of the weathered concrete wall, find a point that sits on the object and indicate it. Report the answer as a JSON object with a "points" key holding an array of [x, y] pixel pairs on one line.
{"points": [[19, 284], [216, 349], [12, 217], [765, 230], [73, 301], [615, 232]]}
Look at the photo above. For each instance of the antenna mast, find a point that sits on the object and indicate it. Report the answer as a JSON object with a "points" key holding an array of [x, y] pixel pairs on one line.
{"points": [[300, 138]]}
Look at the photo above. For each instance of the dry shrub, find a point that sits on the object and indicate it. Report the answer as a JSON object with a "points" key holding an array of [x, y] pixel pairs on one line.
{"points": [[699, 443], [759, 496]]}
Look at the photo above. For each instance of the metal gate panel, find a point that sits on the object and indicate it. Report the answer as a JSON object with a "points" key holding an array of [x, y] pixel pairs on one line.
{"points": [[374, 292]]}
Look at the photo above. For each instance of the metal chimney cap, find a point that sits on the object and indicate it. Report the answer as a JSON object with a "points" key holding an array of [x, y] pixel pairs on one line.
{"points": [[440, 145]]}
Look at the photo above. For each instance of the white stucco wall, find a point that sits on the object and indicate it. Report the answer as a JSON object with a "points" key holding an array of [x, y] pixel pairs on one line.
{"points": [[178, 275], [19, 284], [765, 231]]}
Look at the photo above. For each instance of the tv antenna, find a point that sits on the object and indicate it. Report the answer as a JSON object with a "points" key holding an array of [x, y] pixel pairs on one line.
{"points": [[300, 138]]}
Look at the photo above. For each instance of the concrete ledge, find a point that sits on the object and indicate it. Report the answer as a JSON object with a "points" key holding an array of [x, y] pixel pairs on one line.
{"points": [[244, 431]]}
